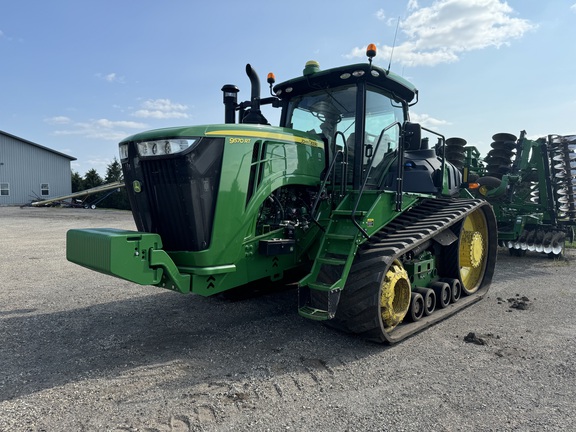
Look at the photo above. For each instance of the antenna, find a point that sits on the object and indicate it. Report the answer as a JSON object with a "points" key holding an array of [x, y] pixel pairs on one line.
{"points": [[393, 44]]}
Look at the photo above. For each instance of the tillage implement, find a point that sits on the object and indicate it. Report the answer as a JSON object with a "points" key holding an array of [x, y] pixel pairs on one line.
{"points": [[347, 193], [531, 185]]}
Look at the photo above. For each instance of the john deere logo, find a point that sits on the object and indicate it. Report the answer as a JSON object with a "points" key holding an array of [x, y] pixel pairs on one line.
{"points": [[136, 186]]}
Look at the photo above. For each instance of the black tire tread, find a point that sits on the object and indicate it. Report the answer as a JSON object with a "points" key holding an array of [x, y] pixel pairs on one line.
{"points": [[358, 309]]}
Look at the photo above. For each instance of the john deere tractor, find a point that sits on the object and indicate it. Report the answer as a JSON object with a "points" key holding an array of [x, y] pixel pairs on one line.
{"points": [[346, 191]]}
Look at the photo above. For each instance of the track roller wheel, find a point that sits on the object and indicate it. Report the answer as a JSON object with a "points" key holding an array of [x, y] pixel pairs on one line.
{"points": [[467, 259], [394, 296], [443, 293], [416, 310], [455, 288], [375, 301], [429, 299]]}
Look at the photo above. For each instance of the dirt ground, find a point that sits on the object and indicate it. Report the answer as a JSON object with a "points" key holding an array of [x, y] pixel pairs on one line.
{"points": [[81, 351]]}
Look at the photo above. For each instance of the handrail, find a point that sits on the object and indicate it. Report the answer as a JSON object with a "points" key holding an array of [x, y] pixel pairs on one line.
{"points": [[361, 191], [329, 173], [322, 188], [443, 156]]}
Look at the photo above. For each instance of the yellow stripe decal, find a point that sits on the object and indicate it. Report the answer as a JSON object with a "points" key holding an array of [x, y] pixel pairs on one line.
{"points": [[268, 135]]}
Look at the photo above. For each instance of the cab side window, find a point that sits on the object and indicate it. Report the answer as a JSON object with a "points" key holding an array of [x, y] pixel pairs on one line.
{"points": [[381, 113]]}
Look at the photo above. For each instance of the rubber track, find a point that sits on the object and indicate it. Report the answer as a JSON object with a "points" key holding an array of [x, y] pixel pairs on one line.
{"points": [[358, 310]]}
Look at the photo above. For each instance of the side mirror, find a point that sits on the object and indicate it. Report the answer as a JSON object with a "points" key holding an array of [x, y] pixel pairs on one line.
{"points": [[412, 136]]}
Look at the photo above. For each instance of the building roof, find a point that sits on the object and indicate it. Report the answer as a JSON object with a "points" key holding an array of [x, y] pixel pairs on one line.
{"points": [[37, 145]]}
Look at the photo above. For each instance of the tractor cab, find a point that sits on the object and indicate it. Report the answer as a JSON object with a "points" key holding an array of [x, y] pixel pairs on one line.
{"points": [[359, 124], [357, 110], [361, 113]]}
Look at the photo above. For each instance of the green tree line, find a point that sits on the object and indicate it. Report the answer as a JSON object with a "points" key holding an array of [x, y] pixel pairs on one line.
{"points": [[116, 198]]}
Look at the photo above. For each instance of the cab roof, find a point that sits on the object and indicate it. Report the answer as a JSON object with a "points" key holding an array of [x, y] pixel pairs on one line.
{"points": [[400, 88]]}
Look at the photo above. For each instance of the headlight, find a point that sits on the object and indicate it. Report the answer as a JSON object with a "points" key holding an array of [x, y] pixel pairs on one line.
{"points": [[164, 146], [123, 149]]}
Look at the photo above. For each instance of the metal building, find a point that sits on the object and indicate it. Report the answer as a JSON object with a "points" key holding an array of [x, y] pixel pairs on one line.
{"points": [[29, 171]]}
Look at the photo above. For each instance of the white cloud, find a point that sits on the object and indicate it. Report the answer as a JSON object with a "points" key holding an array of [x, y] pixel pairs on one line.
{"points": [[109, 124], [58, 120], [573, 7], [102, 129], [440, 33], [161, 109], [380, 15], [110, 77], [116, 130], [163, 105], [464, 25], [412, 4], [427, 121]]}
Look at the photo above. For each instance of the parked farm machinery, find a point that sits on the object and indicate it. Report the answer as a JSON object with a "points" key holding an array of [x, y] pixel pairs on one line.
{"points": [[73, 199], [530, 183], [344, 191]]}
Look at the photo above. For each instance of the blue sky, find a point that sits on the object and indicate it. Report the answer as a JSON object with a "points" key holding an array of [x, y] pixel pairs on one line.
{"points": [[78, 76]]}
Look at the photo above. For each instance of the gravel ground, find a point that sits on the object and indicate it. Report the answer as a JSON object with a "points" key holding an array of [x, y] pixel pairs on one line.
{"points": [[81, 351]]}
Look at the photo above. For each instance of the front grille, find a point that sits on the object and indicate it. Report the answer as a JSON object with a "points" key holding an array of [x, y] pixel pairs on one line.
{"points": [[179, 193]]}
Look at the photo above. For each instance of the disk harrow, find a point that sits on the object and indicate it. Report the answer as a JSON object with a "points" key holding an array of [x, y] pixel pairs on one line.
{"points": [[455, 153], [532, 186], [378, 303], [545, 240], [563, 154], [499, 159]]}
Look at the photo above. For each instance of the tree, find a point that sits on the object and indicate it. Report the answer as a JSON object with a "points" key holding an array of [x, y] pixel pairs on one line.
{"points": [[77, 182], [92, 179], [113, 171], [117, 199]]}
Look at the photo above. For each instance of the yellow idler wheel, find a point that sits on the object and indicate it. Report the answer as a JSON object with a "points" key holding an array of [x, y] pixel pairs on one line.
{"points": [[395, 295], [473, 251]]}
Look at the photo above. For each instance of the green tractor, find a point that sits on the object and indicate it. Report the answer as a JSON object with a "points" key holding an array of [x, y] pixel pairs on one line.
{"points": [[531, 185], [346, 195]]}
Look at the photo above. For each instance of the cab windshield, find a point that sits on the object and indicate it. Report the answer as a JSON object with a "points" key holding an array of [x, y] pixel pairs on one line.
{"points": [[325, 113], [331, 114]]}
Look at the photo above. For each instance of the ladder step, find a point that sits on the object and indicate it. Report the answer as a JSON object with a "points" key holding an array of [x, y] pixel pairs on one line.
{"points": [[331, 261], [315, 314], [358, 213], [323, 287], [340, 236]]}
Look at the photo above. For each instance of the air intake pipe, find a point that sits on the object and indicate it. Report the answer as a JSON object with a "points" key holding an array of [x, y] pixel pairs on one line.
{"points": [[230, 99]]}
